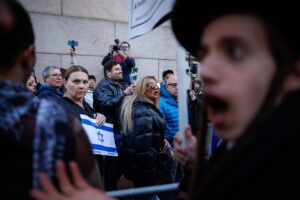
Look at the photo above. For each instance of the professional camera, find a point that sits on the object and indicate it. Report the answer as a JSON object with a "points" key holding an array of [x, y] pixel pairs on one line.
{"points": [[192, 71], [116, 47]]}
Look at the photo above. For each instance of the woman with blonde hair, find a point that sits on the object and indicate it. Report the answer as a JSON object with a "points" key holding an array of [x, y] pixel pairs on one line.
{"points": [[143, 127]]}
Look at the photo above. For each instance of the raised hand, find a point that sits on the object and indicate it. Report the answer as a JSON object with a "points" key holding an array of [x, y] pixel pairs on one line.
{"points": [[186, 156], [79, 189]]}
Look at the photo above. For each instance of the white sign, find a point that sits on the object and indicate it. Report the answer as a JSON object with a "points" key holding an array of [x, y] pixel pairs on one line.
{"points": [[101, 137], [145, 14]]}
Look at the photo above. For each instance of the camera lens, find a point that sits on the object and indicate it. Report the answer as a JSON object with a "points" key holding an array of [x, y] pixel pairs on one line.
{"points": [[115, 48]]}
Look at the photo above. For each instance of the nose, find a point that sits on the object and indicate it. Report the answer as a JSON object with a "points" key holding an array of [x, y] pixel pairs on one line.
{"points": [[208, 71], [81, 85]]}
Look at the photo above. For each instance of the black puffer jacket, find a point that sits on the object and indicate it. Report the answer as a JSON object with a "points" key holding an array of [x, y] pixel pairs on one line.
{"points": [[141, 148]]}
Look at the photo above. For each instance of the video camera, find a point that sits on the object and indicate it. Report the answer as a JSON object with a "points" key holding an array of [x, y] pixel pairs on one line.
{"points": [[116, 46], [192, 71], [73, 44], [193, 67]]}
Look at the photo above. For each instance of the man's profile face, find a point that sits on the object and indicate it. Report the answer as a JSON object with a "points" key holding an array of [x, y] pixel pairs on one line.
{"points": [[236, 68], [172, 86], [116, 73]]}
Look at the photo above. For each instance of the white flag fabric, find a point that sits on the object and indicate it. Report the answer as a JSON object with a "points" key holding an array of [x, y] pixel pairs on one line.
{"points": [[101, 137], [144, 15]]}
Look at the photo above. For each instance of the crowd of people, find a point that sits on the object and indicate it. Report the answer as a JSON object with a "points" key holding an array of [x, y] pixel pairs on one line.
{"points": [[249, 92]]}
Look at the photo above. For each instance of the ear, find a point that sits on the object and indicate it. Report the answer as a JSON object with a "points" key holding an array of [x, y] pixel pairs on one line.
{"points": [[292, 82], [27, 60], [64, 82], [28, 57], [108, 74]]}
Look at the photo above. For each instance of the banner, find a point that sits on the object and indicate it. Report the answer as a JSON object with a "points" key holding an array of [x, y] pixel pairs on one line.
{"points": [[101, 137], [145, 15]]}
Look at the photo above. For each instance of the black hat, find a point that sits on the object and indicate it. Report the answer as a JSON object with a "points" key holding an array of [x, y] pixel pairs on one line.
{"points": [[92, 77], [190, 17]]}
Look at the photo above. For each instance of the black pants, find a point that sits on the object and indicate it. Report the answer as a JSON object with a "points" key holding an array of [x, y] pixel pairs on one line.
{"points": [[111, 170]]}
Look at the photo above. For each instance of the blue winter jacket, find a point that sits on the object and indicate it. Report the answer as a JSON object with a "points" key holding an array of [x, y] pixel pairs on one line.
{"points": [[48, 92], [169, 108]]}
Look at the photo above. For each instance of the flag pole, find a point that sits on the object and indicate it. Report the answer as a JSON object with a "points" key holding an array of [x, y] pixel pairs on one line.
{"points": [[182, 93]]}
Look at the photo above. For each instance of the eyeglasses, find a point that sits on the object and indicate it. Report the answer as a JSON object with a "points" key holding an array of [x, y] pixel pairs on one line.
{"points": [[56, 75], [153, 86], [173, 84]]}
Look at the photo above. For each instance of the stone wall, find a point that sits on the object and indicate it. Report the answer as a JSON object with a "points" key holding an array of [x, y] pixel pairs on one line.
{"points": [[95, 24]]}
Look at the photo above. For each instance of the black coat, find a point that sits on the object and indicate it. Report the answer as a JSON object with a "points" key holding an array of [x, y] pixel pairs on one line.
{"points": [[141, 148], [263, 165], [75, 110], [108, 97]]}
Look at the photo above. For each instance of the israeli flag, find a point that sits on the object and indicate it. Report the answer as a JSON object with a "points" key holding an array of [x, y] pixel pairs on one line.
{"points": [[101, 137]]}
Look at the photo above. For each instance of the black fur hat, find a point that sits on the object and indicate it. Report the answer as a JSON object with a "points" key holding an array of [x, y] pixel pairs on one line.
{"points": [[189, 18]]}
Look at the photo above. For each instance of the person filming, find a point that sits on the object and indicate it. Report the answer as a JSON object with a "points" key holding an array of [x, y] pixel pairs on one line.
{"points": [[119, 53]]}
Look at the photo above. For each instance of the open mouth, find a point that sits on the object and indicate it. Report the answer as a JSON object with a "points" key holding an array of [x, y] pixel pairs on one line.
{"points": [[217, 109]]}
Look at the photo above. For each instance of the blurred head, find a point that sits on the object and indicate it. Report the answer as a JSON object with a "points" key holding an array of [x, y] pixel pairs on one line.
{"points": [[166, 74], [31, 83], [17, 41], [197, 85], [52, 76], [76, 83], [113, 71], [235, 45], [6, 18], [172, 86], [92, 81]]}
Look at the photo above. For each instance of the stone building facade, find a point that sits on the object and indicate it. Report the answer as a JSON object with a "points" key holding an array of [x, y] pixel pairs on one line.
{"points": [[95, 24]]}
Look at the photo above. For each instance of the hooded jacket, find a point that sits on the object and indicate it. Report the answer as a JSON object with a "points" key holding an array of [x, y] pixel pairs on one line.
{"points": [[169, 108]]}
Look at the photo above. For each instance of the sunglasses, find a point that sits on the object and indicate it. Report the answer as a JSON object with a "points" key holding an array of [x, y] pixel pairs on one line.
{"points": [[153, 86]]}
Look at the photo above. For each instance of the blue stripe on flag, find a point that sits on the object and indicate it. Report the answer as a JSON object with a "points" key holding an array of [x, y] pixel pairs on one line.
{"points": [[105, 128], [100, 147]]}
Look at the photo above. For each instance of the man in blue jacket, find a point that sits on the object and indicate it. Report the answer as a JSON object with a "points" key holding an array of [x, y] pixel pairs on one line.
{"points": [[53, 88], [169, 107]]}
